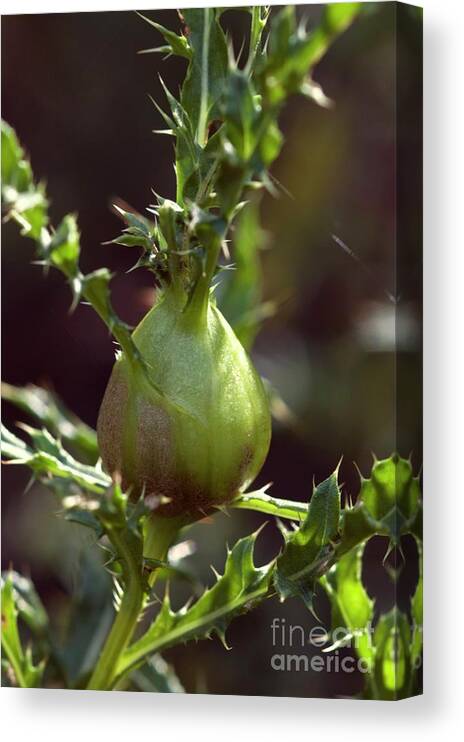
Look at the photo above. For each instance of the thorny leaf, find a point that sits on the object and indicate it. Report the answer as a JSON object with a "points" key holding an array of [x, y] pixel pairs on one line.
{"points": [[308, 549], [26, 670], [234, 592]]}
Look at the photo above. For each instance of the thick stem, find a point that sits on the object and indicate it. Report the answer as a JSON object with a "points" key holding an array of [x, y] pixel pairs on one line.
{"points": [[159, 534], [121, 632]]}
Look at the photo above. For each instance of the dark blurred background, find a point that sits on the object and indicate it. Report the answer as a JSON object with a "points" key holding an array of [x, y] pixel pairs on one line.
{"points": [[75, 90]]}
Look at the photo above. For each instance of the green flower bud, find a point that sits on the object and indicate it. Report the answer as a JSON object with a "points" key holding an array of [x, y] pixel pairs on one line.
{"points": [[191, 426]]}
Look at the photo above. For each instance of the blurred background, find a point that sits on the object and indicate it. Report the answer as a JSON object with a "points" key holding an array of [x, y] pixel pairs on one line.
{"points": [[341, 263]]}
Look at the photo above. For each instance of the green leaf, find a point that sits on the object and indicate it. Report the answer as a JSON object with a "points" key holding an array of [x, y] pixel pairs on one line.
{"points": [[190, 162], [261, 502], [240, 110], [391, 496], [156, 676], [309, 549], [293, 52], [225, 122], [393, 673], [207, 71], [27, 602], [338, 16], [351, 606], [135, 221], [204, 45], [176, 44], [417, 611], [26, 672], [48, 459], [22, 199], [356, 526], [64, 248], [241, 585], [47, 409], [168, 213], [259, 18]]}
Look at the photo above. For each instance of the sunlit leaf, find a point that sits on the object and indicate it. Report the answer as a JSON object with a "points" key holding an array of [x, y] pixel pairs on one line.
{"points": [[352, 608], [234, 592], [308, 549], [393, 670], [391, 496]]}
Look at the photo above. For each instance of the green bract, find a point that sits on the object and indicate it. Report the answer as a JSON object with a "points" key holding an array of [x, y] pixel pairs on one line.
{"points": [[194, 429]]}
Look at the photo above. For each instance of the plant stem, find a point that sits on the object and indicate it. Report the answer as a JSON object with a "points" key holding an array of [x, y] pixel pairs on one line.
{"points": [[13, 660], [198, 305], [121, 632], [159, 533]]}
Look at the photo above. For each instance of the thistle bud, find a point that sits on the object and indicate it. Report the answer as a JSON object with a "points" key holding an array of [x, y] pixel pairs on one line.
{"points": [[190, 426]]}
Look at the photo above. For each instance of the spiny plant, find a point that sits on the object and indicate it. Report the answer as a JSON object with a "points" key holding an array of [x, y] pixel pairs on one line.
{"points": [[184, 426]]}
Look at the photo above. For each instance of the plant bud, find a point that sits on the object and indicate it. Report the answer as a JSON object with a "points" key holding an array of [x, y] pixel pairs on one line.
{"points": [[190, 428]]}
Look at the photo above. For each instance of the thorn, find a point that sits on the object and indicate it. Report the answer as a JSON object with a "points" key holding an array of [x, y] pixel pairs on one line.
{"points": [[215, 572], [362, 479], [337, 468]]}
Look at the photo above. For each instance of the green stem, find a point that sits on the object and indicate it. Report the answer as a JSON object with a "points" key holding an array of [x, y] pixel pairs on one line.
{"points": [[121, 632], [101, 306], [15, 664], [158, 535], [203, 114], [258, 22], [198, 304]]}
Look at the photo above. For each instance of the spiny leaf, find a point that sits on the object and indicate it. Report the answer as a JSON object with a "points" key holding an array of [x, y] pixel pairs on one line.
{"points": [[293, 52], [27, 602], [47, 409], [356, 526], [22, 199], [47, 458], [241, 584], [393, 670], [261, 502], [207, 72], [225, 122], [259, 18], [27, 673], [391, 496], [175, 44], [63, 249], [352, 608], [308, 549]]}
